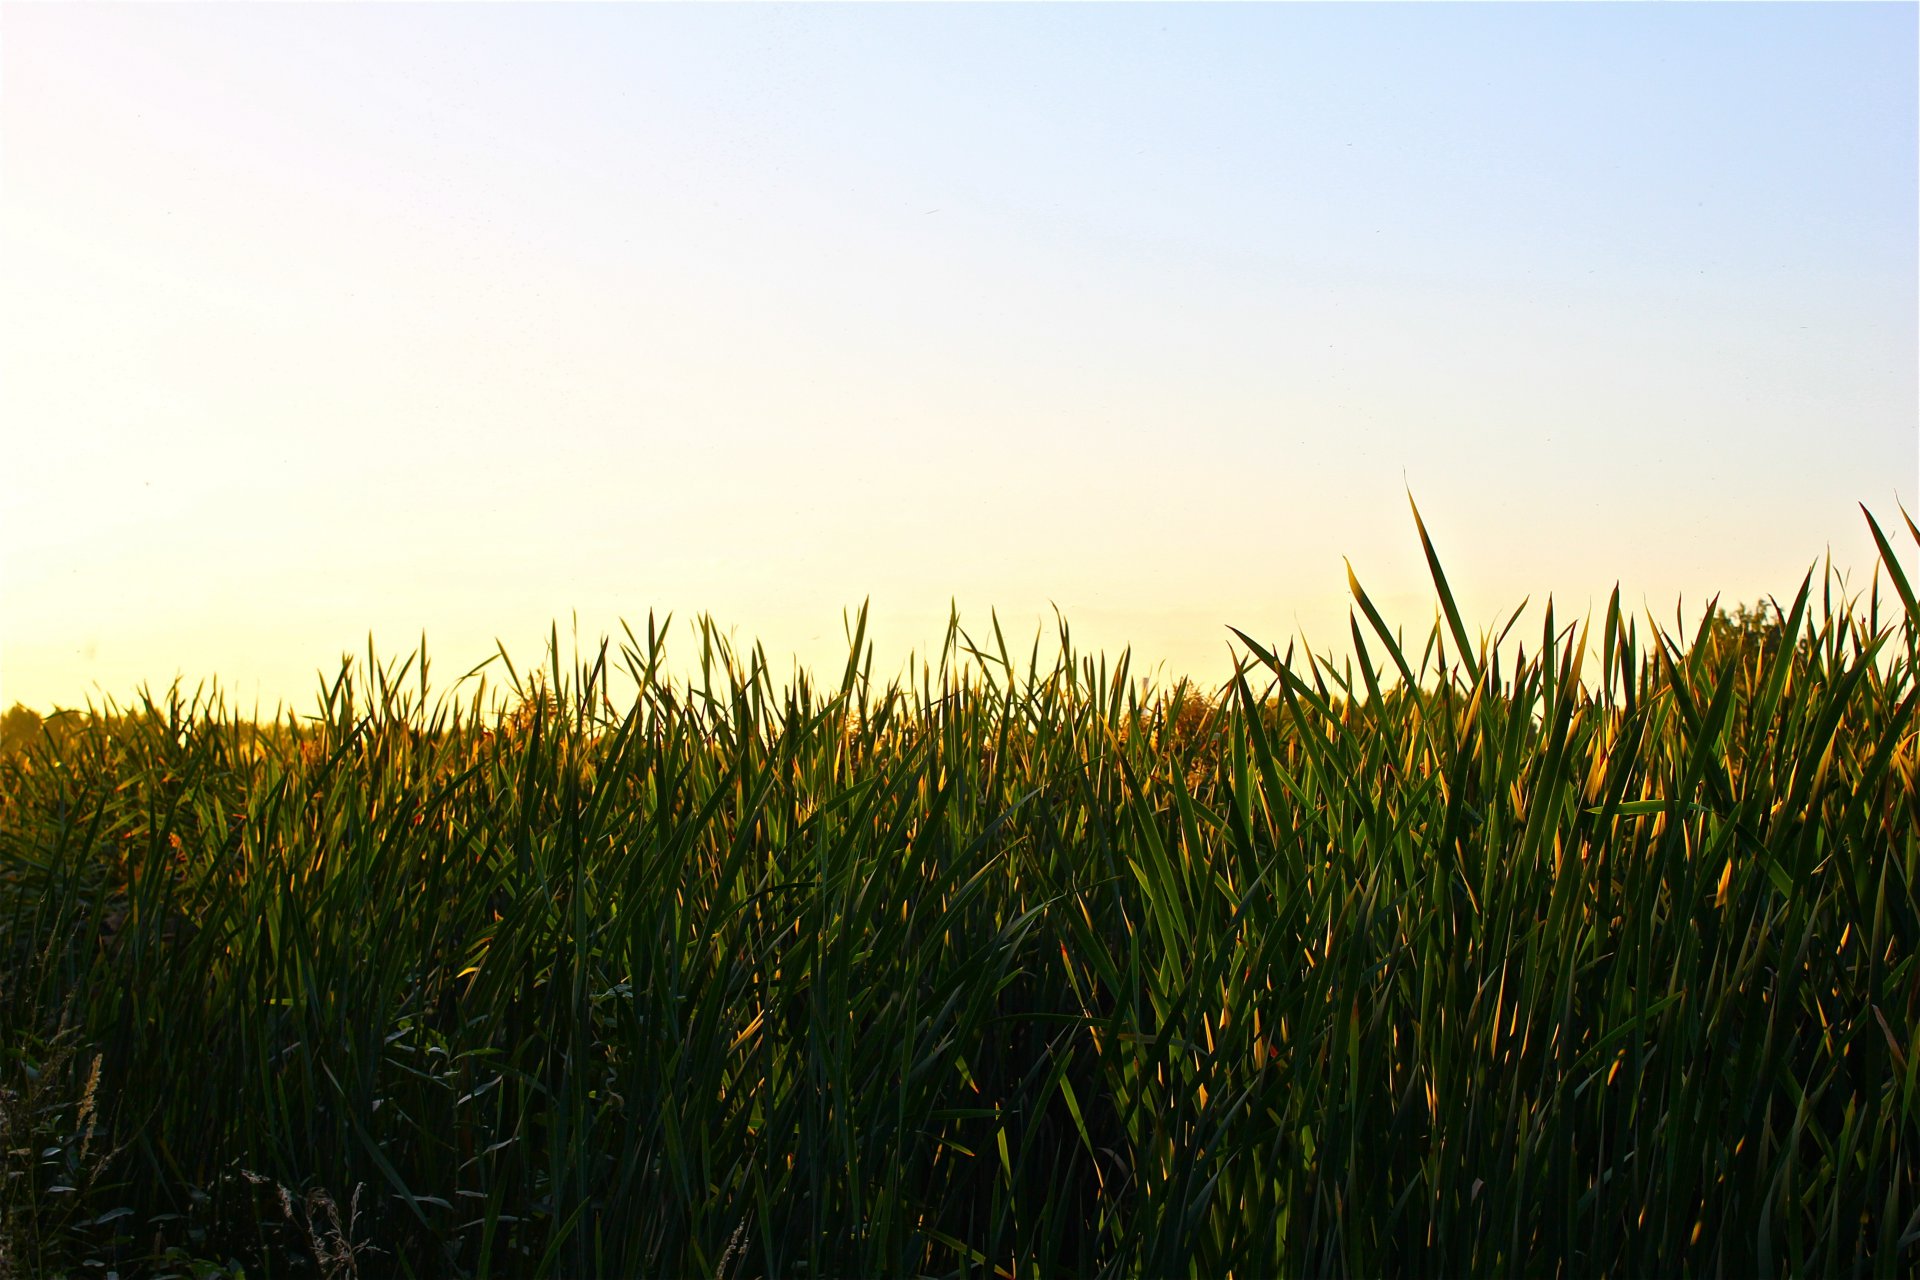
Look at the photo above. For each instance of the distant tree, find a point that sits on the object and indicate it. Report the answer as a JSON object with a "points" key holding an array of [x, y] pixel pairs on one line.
{"points": [[19, 726], [1758, 629]]}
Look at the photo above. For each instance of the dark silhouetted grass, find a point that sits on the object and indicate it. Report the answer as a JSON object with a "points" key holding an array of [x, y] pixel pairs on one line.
{"points": [[1594, 960]]}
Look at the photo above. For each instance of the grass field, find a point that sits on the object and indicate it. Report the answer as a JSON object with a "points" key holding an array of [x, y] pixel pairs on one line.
{"points": [[1589, 956]]}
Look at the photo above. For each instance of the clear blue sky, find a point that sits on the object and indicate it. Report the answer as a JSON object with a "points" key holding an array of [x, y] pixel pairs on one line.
{"points": [[329, 320]]}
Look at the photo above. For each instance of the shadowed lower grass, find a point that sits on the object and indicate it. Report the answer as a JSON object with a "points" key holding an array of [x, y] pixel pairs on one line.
{"points": [[1598, 960]]}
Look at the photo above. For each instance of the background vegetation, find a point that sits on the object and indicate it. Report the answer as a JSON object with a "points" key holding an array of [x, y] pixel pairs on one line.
{"points": [[1599, 959]]}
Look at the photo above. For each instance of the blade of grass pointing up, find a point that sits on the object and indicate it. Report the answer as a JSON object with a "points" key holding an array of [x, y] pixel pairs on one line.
{"points": [[1380, 627], [1454, 624], [1892, 560]]}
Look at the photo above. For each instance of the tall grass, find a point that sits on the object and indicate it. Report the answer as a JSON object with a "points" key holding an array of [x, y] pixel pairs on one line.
{"points": [[1597, 959]]}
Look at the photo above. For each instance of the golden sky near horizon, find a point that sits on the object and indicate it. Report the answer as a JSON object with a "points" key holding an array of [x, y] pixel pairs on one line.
{"points": [[330, 321]]}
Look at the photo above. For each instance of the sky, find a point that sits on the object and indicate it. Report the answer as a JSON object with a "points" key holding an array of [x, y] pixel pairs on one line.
{"points": [[323, 323]]}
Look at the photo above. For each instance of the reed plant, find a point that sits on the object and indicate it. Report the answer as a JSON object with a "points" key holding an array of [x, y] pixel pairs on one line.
{"points": [[1593, 955]]}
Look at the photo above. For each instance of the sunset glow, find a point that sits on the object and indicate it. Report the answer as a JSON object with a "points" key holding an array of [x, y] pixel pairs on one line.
{"points": [[329, 321]]}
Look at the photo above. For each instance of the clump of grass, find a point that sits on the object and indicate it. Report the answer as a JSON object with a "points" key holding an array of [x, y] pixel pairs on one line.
{"points": [[52, 1152], [332, 1239], [1597, 958]]}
